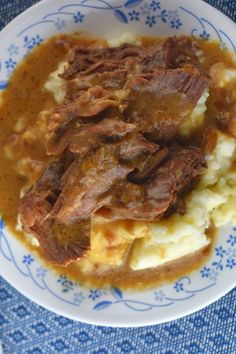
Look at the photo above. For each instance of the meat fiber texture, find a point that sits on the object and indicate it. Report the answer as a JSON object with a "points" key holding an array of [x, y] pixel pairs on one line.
{"points": [[164, 241], [94, 171], [57, 87]]}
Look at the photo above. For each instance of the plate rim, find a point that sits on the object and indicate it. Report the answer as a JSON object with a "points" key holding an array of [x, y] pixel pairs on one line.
{"points": [[99, 320]]}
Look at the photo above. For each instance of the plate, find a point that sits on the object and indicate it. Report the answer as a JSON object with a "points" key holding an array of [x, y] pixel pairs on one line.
{"points": [[23, 270]]}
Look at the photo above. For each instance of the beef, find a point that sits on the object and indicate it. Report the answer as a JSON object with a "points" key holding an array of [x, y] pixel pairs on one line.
{"points": [[58, 142], [181, 173], [81, 139], [115, 79], [87, 185], [89, 104], [170, 53], [67, 119], [92, 175], [87, 61], [143, 155], [136, 145], [159, 102], [145, 168], [184, 51], [123, 59], [81, 59], [173, 180], [61, 245], [158, 56], [37, 204], [113, 137], [89, 137], [76, 88]]}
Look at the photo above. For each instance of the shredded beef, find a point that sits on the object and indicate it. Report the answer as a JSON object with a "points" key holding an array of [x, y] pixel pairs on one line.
{"points": [[144, 168], [184, 51], [60, 245], [86, 184], [170, 53], [160, 101], [88, 61], [89, 104], [114, 137], [173, 180], [135, 145], [158, 56], [81, 139]]}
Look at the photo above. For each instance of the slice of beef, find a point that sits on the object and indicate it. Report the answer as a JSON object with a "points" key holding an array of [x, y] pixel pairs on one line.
{"points": [[37, 203], [80, 59], [159, 102], [81, 139], [61, 245], [58, 142], [143, 155], [87, 184], [158, 56], [130, 202], [75, 89], [129, 57], [174, 52], [109, 80], [184, 51], [90, 136], [144, 169], [86, 61], [89, 104], [184, 168], [135, 145], [172, 181]]}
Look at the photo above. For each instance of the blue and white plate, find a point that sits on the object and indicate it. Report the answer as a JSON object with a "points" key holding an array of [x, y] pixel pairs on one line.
{"points": [[24, 270]]}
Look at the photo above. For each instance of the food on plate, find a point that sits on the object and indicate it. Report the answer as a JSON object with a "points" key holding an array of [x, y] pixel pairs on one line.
{"points": [[123, 158]]}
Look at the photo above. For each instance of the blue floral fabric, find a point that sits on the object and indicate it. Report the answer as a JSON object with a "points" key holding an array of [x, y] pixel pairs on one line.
{"points": [[28, 328]]}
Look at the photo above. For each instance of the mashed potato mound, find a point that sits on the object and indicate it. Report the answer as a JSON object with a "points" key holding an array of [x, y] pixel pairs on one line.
{"points": [[221, 75], [126, 37], [196, 119], [55, 84]]}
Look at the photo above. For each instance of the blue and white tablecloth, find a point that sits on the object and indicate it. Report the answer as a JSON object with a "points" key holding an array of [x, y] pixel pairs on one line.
{"points": [[28, 328]]}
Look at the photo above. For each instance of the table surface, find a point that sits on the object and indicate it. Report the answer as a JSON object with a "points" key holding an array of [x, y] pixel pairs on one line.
{"points": [[28, 328]]}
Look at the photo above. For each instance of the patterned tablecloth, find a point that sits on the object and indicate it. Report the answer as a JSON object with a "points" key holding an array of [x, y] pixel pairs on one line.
{"points": [[28, 328]]}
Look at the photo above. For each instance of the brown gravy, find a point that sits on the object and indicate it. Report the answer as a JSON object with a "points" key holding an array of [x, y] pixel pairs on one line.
{"points": [[25, 97], [125, 278]]}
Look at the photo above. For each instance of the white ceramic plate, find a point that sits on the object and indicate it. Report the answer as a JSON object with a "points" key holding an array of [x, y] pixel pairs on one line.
{"points": [[27, 273]]}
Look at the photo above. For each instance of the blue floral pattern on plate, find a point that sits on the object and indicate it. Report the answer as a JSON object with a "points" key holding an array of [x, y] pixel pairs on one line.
{"points": [[147, 12], [224, 259]]}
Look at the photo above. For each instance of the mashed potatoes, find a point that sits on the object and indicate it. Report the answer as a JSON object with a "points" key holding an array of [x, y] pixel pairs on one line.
{"points": [[197, 117], [124, 38], [221, 75], [56, 85]]}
